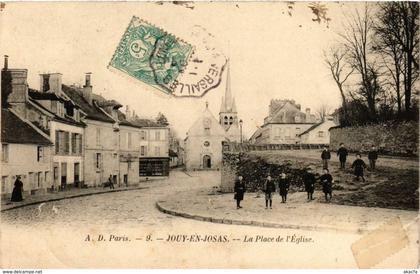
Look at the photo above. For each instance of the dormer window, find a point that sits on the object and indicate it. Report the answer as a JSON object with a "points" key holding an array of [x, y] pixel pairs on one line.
{"points": [[297, 119]]}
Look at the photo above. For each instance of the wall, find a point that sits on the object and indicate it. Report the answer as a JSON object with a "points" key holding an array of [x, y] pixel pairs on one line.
{"points": [[195, 150], [22, 160], [398, 138], [107, 147]]}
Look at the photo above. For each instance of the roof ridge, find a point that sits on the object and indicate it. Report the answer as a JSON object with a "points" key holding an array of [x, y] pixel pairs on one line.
{"points": [[31, 125]]}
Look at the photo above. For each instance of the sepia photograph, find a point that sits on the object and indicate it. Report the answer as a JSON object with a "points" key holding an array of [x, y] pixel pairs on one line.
{"points": [[209, 135]]}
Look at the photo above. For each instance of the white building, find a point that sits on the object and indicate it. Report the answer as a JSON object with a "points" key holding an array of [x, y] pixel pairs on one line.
{"points": [[318, 133]]}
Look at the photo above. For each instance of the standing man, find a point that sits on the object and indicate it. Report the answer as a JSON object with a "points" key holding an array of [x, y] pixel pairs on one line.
{"points": [[110, 182], [309, 181], [269, 188], [284, 184], [342, 155], [239, 190], [325, 156], [373, 156]]}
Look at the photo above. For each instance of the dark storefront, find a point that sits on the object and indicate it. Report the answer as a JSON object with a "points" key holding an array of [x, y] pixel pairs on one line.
{"points": [[154, 167]]}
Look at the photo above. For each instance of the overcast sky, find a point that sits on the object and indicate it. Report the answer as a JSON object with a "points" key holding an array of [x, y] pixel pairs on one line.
{"points": [[272, 54]]}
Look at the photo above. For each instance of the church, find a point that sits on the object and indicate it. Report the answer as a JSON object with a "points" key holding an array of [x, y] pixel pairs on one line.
{"points": [[203, 144]]}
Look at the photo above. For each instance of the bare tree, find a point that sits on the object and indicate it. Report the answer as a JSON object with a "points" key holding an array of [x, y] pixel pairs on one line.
{"points": [[323, 111], [340, 71], [357, 42], [397, 32]]}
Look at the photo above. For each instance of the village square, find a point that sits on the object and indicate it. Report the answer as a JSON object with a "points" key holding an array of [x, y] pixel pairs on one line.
{"points": [[310, 174]]}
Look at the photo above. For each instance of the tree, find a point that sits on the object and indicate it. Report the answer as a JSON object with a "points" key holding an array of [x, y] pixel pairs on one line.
{"points": [[161, 119], [340, 71], [323, 111], [357, 43], [397, 32]]}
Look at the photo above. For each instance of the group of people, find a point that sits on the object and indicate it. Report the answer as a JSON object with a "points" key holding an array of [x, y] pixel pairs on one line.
{"points": [[358, 165], [309, 178]]}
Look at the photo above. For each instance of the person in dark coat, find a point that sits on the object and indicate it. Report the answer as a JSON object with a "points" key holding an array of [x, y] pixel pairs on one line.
{"points": [[342, 155], [269, 188], [239, 190], [359, 166], [111, 182], [284, 184], [309, 181], [17, 191], [373, 156], [325, 156], [326, 181]]}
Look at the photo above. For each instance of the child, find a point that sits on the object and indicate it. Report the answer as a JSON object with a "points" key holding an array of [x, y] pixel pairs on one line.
{"points": [[359, 166], [283, 187], [269, 188], [309, 181], [326, 181]]}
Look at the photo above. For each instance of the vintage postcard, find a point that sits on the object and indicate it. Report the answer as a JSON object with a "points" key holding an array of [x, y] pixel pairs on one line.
{"points": [[209, 135]]}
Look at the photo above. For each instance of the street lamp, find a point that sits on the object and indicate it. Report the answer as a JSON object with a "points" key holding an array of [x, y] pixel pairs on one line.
{"points": [[240, 125]]}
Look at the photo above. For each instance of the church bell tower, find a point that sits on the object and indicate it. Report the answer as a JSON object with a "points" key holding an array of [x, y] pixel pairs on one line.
{"points": [[228, 115]]}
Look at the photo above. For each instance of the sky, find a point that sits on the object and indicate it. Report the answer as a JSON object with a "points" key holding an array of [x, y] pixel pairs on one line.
{"points": [[273, 55]]}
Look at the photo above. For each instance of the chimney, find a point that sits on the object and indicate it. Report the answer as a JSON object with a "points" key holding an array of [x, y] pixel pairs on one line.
{"points": [[6, 62], [15, 89], [308, 115], [87, 88], [127, 112], [299, 106], [51, 82]]}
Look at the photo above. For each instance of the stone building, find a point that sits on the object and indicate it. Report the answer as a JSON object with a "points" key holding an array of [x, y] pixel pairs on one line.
{"points": [[26, 152], [54, 116], [284, 123]]}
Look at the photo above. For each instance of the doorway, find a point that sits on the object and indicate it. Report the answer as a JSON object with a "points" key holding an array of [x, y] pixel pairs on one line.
{"points": [[206, 161]]}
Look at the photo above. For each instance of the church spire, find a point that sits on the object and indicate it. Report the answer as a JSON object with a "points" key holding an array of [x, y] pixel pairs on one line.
{"points": [[228, 102]]}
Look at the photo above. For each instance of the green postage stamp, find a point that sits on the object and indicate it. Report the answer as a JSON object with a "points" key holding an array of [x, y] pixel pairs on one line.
{"points": [[162, 60]]}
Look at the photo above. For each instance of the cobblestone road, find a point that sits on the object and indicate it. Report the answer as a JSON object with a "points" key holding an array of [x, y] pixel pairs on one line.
{"points": [[55, 235]]}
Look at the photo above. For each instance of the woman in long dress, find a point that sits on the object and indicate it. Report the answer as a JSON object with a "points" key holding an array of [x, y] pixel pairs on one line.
{"points": [[17, 191]]}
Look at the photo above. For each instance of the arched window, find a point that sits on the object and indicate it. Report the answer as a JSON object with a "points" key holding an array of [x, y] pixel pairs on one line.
{"points": [[230, 120], [226, 122]]}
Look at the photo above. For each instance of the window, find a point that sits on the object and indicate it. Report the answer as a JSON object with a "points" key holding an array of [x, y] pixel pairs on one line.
{"points": [[129, 140], [98, 136], [206, 143], [143, 151], [4, 182], [226, 122], [157, 151], [230, 120], [98, 160], [157, 135], [297, 131], [207, 131], [4, 153], [74, 147], [297, 119], [142, 135], [47, 176], [287, 132], [321, 133], [57, 142], [32, 180], [38, 179], [67, 142], [40, 153]]}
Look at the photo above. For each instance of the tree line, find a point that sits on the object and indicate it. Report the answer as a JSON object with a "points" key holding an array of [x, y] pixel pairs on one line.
{"points": [[375, 63]]}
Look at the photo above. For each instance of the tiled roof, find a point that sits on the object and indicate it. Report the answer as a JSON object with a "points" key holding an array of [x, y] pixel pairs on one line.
{"points": [[15, 130], [93, 112], [311, 128], [36, 95], [66, 120]]}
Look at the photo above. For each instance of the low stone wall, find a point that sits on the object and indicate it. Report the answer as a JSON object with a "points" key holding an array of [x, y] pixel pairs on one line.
{"points": [[254, 169], [392, 138]]}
